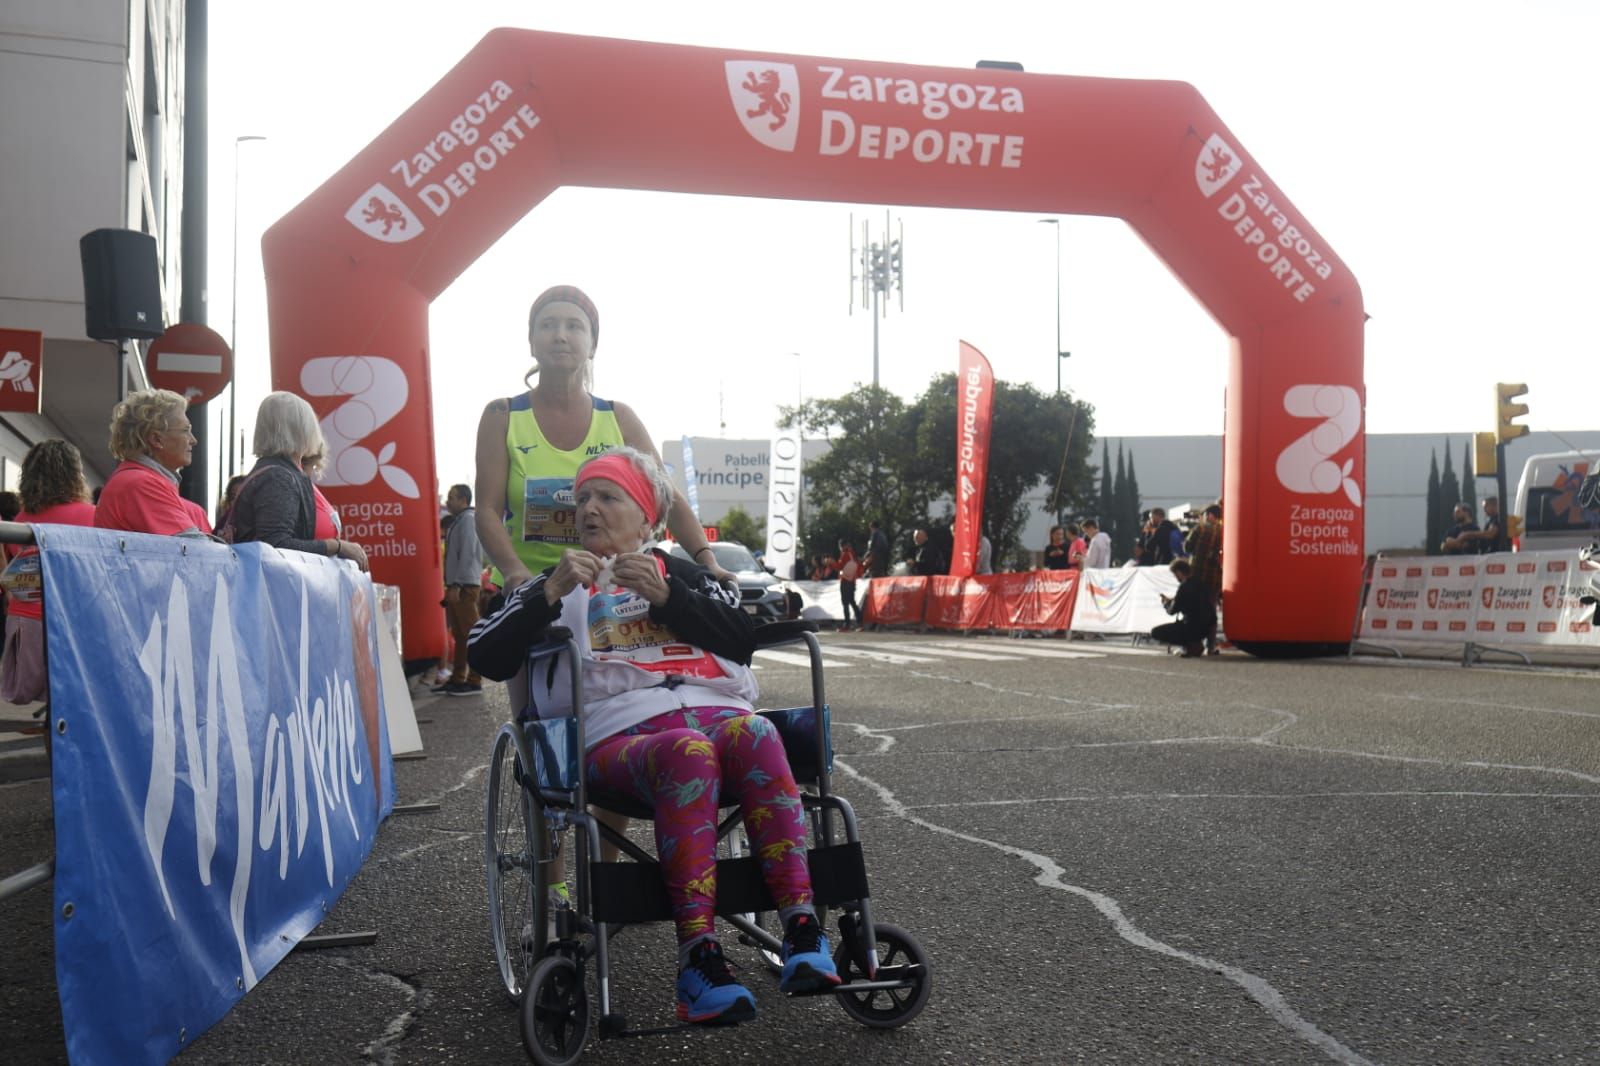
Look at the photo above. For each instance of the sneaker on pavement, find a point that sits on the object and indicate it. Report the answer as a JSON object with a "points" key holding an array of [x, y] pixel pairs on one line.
{"points": [[708, 994], [462, 688], [807, 966], [441, 688]]}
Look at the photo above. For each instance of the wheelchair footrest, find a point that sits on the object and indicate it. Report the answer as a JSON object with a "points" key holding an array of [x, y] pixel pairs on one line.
{"points": [[635, 892]]}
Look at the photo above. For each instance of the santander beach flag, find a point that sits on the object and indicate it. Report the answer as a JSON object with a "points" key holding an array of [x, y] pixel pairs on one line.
{"points": [[974, 398]]}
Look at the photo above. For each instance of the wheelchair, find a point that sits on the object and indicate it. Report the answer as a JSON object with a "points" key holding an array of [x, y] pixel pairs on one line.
{"points": [[538, 805]]}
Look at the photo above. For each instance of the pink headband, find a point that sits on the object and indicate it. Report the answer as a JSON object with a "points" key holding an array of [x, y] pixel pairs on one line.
{"points": [[623, 472]]}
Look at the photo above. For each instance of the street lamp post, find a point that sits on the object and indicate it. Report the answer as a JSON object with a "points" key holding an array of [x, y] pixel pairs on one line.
{"points": [[233, 328], [1060, 355]]}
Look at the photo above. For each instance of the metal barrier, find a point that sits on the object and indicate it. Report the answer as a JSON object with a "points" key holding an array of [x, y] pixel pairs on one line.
{"points": [[39, 873]]}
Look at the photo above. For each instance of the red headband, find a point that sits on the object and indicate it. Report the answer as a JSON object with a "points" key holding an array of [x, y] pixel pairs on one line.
{"points": [[619, 469]]}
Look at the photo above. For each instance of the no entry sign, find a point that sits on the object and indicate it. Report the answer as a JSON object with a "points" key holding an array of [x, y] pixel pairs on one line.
{"points": [[191, 360]]}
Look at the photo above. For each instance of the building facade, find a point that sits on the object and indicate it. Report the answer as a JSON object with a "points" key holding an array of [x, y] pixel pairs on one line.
{"points": [[91, 137]]}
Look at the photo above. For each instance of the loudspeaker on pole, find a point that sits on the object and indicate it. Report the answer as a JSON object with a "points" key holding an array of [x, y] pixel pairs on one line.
{"points": [[121, 285]]}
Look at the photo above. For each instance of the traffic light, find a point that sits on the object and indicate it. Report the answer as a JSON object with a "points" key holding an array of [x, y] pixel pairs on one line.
{"points": [[1484, 462], [1505, 411], [1514, 526]]}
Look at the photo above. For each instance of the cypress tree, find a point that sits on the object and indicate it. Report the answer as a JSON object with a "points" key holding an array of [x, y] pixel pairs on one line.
{"points": [[1469, 490], [1449, 491], [1434, 534], [1106, 496], [1119, 496], [1133, 504]]}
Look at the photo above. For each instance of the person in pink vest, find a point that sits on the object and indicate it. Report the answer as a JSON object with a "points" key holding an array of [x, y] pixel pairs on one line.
{"points": [[152, 438]]}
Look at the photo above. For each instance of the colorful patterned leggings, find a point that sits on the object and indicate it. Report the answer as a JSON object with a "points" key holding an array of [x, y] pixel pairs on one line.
{"points": [[681, 762]]}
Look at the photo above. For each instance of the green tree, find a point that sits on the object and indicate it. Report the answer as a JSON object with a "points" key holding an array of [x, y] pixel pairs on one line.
{"points": [[873, 469], [1118, 521], [1134, 506], [1106, 496], [1469, 490], [892, 461], [1449, 491], [1028, 444], [739, 525], [1434, 533]]}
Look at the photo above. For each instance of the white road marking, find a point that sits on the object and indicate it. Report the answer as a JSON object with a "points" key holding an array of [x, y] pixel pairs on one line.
{"points": [[1051, 875], [943, 650], [1039, 650], [877, 655], [794, 658]]}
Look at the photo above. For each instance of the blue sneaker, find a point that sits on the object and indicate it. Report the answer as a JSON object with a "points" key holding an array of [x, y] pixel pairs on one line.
{"points": [[807, 966], [707, 991]]}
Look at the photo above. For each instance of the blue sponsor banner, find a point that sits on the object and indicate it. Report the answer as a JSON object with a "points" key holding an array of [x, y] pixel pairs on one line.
{"points": [[691, 483], [220, 770]]}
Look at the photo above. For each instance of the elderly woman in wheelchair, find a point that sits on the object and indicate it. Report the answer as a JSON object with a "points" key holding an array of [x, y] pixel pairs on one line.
{"points": [[669, 723]]}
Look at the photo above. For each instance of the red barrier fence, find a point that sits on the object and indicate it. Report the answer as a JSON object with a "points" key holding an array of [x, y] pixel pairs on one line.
{"points": [[1037, 599]]}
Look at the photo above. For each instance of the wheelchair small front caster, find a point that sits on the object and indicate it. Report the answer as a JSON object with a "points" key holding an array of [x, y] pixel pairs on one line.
{"points": [[900, 959], [555, 1012]]}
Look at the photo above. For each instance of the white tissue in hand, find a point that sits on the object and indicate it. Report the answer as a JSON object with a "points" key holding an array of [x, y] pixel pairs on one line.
{"points": [[604, 582]]}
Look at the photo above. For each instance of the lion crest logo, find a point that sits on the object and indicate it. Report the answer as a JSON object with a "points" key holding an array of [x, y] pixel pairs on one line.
{"points": [[1215, 166], [383, 216], [766, 99]]}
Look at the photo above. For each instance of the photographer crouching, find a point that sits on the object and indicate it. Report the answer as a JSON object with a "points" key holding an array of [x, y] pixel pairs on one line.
{"points": [[1193, 607]]}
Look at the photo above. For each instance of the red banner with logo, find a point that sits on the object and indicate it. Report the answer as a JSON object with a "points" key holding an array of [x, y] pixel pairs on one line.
{"points": [[974, 399], [1037, 599], [960, 602], [21, 370], [1505, 598], [895, 600]]}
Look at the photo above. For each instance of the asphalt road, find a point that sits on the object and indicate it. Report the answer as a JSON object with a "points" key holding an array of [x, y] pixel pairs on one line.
{"points": [[1115, 857]]}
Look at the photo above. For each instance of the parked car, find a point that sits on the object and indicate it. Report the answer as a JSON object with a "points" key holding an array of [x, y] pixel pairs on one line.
{"points": [[760, 593]]}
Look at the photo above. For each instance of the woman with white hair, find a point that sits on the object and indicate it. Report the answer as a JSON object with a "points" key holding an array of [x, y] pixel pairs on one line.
{"points": [[665, 654], [277, 504]]}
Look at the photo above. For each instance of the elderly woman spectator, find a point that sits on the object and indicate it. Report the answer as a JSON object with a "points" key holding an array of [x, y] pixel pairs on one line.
{"points": [[665, 654], [53, 492], [277, 504], [152, 439]]}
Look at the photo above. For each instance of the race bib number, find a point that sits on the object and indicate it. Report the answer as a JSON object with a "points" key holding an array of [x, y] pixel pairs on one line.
{"points": [[620, 628], [549, 515]]}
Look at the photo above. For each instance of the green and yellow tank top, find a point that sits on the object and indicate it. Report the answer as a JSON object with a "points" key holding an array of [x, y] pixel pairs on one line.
{"points": [[540, 514]]}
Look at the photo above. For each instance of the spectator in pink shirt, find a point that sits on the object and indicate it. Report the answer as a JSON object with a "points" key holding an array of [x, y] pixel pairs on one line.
{"points": [[151, 436], [53, 492]]}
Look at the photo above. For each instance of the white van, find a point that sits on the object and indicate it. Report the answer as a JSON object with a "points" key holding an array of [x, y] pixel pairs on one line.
{"points": [[1559, 501]]}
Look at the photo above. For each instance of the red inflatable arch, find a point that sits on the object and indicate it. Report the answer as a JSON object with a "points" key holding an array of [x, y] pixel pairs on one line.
{"points": [[351, 271]]}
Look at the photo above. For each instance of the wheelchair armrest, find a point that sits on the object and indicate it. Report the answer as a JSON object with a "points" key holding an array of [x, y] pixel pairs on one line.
{"points": [[554, 643], [785, 632]]}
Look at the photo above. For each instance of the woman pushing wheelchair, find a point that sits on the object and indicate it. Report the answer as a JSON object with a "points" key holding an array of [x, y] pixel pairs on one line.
{"points": [[668, 720]]}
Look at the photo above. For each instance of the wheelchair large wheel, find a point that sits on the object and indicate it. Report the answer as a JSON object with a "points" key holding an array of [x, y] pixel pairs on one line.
{"points": [[512, 827], [900, 957], [555, 1012]]}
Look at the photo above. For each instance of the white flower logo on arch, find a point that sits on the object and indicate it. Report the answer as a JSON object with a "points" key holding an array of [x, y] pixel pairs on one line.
{"points": [[1307, 465], [375, 389]]}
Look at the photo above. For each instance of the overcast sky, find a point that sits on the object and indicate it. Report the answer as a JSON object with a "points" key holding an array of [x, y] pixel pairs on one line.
{"points": [[1446, 151]]}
